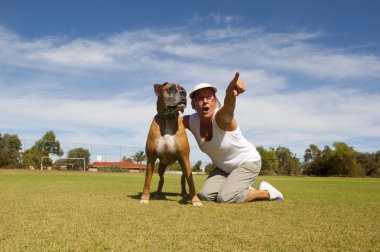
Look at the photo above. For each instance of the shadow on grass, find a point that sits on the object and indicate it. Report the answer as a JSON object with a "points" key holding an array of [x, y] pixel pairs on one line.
{"points": [[185, 199]]}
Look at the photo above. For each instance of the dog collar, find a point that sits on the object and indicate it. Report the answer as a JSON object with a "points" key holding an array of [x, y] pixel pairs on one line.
{"points": [[168, 116]]}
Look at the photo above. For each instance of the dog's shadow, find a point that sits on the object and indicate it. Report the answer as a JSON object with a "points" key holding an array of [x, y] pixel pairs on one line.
{"points": [[183, 199]]}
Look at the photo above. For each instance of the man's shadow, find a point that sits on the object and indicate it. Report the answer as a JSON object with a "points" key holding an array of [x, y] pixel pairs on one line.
{"points": [[184, 199]]}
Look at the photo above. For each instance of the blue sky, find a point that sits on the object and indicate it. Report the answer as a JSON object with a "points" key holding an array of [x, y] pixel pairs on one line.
{"points": [[86, 69]]}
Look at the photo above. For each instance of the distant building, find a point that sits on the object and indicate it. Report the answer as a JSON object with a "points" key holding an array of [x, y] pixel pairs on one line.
{"points": [[132, 167]]}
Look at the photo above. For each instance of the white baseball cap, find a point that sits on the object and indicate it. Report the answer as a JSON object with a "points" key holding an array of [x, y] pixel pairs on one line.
{"points": [[201, 86]]}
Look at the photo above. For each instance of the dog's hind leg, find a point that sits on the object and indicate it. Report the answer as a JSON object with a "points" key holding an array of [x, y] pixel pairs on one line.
{"points": [[161, 172]]}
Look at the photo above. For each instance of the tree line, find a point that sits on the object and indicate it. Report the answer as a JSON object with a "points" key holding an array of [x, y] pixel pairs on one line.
{"points": [[338, 160], [341, 160], [11, 155]]}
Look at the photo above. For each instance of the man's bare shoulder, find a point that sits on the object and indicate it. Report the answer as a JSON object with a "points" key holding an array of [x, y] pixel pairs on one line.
{"points": [[186, 121]]}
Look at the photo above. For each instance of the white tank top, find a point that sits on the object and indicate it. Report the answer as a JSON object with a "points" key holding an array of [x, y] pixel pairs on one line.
{"points": [[227, 149]]}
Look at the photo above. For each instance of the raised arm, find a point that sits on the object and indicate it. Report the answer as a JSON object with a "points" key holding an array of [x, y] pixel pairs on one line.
{"points": [[225, 116]]}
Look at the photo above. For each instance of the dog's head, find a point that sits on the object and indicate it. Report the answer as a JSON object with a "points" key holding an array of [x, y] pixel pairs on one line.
{"points": [[171, 98]]}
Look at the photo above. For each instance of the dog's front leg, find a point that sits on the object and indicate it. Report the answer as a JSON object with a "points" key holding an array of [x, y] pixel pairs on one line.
{"points": [[183, 185], [186, 169], [148, 178]]}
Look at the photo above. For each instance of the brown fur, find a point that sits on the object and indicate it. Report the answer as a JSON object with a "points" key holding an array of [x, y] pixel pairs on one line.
{"points": [[167, 140]]}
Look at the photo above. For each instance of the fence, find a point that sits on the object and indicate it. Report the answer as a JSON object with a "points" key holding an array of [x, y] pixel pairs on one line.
{"points": [[98, 152]]}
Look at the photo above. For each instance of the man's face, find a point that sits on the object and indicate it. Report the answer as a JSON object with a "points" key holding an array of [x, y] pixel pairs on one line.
{"points": [[204, 102]]}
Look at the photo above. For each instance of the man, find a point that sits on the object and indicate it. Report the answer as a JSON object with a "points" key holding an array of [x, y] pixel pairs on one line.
{"points": [[217, 133]]}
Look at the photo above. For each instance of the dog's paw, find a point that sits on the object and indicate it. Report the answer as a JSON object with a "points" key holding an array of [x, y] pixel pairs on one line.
{"points": [[144, 201], [197, 203]]}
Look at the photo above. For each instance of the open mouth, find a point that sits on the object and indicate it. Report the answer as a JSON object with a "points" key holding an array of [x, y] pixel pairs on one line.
{"points": [[178, 106], [205, 109]]}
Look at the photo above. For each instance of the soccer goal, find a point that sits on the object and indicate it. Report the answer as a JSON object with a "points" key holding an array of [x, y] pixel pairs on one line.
{"points": [[83, 161]]}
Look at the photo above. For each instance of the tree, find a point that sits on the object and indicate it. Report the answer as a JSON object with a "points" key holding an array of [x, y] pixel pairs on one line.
{"points": [[344, 161], [312, 153], [176, 166], [47, 145], [127, 159], [340, 161], [294, 166], [269, 162], [376, 170], [138, 157], [79, 153], [288, 162], [10, 146], [209, 167], [31, 157], [197, 166], [312, 160], [368, 162], [327, 164]]}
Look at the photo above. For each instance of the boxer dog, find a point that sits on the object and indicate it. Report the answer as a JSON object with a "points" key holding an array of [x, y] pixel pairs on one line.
{"points": [[167, 140]]}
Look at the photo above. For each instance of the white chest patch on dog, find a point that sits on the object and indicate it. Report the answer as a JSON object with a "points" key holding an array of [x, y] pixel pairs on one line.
{"points": [[166, 144]]}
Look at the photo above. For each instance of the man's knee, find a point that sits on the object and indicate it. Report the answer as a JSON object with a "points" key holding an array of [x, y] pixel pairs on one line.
{"points": [[206, 196], [225, 198], [236, 197]]}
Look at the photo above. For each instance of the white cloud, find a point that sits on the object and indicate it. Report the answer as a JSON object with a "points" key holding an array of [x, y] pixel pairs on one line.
{"points": [[279, 107], [251, 49], [80, 53], [320, 116]]}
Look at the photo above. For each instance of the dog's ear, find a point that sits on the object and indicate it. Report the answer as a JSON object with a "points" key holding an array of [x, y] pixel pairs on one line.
{"points": [[157, 89]]}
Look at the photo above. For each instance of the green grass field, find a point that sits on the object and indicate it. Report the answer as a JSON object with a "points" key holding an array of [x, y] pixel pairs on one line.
{"points": [[63, 211]]}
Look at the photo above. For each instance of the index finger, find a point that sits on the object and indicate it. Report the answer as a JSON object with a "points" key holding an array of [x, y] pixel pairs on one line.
{"points": [[237, 74]]}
